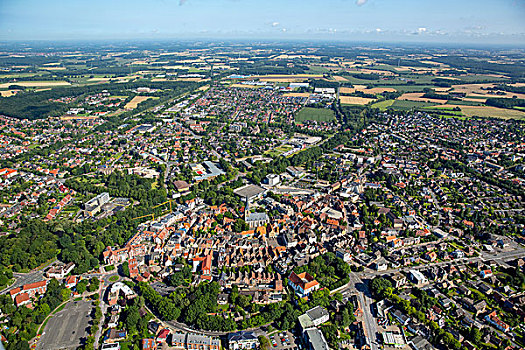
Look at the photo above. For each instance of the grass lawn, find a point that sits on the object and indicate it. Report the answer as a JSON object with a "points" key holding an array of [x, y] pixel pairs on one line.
{"points": [[278, 150], [223, 307], [113, 278], [318, 114]]}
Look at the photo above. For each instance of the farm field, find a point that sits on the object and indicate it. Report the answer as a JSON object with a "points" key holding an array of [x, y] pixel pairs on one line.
{"points": [[276, 78], [491, 112], [297, 94], [317, 114], [339, 78], [136, 100], [364, 89], [383, 105], [479, 90], [404, 105], [35, 83], [352, 100], [7, 93], [246, 86], [418, 96]]}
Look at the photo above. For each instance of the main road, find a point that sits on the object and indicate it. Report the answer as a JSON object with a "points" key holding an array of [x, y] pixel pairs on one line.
{"points": [[365, 300]]}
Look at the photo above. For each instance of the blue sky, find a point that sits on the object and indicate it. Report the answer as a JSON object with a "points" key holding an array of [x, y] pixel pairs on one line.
{"points": [[444, 21]]}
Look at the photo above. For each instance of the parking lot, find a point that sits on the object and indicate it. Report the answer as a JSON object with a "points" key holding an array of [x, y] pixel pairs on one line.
{"points": [[283, 340], [67, 328]]}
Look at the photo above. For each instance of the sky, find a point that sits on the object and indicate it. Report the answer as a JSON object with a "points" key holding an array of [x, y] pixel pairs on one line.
{"points": [[432, 21]]}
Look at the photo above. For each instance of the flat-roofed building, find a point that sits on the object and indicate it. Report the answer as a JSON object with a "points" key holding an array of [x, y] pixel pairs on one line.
{"points": [[249, 192], [314, 317], [315, 339]]}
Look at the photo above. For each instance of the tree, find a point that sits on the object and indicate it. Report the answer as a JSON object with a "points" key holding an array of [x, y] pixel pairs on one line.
{"points": [[379, 285], [264, 342], [81, 287]]}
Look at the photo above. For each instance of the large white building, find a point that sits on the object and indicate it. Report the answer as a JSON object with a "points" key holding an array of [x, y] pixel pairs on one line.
{"points": [[242, 340], [272, 179], [314, 317]]}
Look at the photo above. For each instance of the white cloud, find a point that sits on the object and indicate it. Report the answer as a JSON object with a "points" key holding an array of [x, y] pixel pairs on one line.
{"points": [[360, 2], [275, 24], [379, 30], [421, 30]]}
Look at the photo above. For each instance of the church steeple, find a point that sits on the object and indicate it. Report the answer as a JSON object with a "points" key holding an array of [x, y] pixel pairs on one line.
{"points": [[246, 209]]}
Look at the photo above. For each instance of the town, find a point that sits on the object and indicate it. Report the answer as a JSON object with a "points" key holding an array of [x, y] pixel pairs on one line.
{"points": [[226, 209]]}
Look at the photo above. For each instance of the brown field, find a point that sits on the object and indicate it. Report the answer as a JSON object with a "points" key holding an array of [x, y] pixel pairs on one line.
{"points": [[490, 112], [136, 100], [284, 80], [7, 93], [198, 80], [35, 83], [338, 78], [74, 117], [362, 88], [480, 100], [371, 71], [351, 100], [276, 78], [53, 68], [378, 90], [247, 86], [417, 96], [297, 94], [474, 90], [204, 88]]}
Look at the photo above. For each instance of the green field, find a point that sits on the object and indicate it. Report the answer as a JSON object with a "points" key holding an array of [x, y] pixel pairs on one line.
{"points": [[317, 114], [278, 151], [383, 105], [449, 110], [465, 103], [404, 105]]}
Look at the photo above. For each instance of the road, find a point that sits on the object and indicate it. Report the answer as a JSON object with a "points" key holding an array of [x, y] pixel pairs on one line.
{"points": [[518, 253], [35, 275], [365, 300]]}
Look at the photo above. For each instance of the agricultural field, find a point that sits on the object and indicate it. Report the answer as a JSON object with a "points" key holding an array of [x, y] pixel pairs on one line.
{"points": [[383, 105], [405, 105], [297, 94], [7, 93], [418, 97], [136, 100], [35, 84], [246, 86], [353, 100], [491, 112], [316, 114]]}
